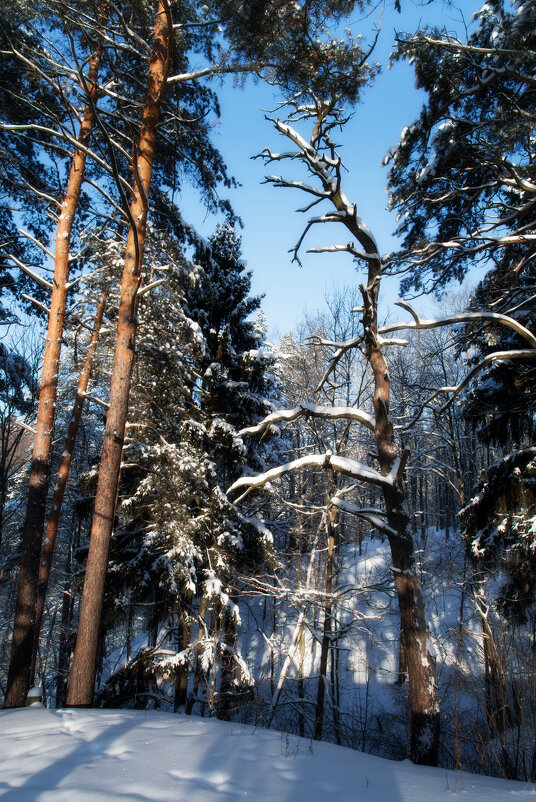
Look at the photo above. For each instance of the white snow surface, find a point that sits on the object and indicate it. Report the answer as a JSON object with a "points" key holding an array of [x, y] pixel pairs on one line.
{"points": [[139, 756]]}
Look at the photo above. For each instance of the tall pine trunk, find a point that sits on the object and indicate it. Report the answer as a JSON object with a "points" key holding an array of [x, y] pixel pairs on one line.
{"points": [[47, 554], [21, 659], [83, 667]]}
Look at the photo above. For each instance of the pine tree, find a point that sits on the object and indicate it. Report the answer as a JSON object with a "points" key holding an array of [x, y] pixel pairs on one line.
{"points": [[179, 544], [159, 77], [462, 176]]}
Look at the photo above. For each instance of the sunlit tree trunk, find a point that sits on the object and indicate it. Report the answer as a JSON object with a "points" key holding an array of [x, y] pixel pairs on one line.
{"points": [[20, 664], [49, 544], [420, 662], [83, 667]]}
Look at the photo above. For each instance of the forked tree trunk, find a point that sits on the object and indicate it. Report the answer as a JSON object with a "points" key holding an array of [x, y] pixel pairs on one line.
{"points": [[49, 545], [83, 667], [20, 664]]}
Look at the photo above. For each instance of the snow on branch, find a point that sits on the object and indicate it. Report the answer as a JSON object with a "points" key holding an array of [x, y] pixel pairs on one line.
{"points": [[457, 389], [151, 286], [372, 516], [215, 69], [310, 410], [342, 348], [494, 357], [37, 242], [37, 303], [348, 248], [344, 465], [330, 217], [464, 317], [278, 181], [461, 247], [38, 279], [327, 169]]}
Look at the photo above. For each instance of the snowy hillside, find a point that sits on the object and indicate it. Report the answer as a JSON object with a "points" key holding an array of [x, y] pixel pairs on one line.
{"points": [[134, 756]]}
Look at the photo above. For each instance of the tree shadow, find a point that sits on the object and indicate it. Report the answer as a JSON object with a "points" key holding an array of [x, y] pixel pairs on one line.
{"points": [[48, 778]]}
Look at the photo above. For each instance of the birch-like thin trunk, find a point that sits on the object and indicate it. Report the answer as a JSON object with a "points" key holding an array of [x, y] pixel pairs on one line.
{"points": [[498, 712], [198, 678], [20, 664], [328, 625], [47, 553], [181, 678], [83, 667], [227, 698]]}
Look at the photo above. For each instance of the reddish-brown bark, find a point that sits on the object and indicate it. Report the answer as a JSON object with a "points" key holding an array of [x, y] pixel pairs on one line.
{"points": [[83, 667], [20, 664], [47, 553]]}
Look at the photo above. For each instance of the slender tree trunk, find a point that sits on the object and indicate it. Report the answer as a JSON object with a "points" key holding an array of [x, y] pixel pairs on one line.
{"points": [[181, 679], [328, 627], [301, 684], [83, 666], [498, 712], [66, 621], [420, 662], [226, 699], [47, 553], [301, 642], [63, 648], [20, 665], [335, 693], [198, 678], [298, 629]]}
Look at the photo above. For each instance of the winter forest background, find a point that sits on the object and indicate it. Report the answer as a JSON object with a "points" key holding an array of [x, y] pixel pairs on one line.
{"points": [[333, 534]]}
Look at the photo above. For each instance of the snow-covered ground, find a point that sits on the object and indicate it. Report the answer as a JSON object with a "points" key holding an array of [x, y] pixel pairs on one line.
{"points": [[137, 756]]}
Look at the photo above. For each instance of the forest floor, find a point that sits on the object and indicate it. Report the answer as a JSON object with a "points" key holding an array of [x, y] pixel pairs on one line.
{"points": [[138, 756]]}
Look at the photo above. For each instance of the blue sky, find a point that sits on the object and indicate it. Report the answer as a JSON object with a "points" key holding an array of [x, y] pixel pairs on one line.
{"points": [[271, 224]]}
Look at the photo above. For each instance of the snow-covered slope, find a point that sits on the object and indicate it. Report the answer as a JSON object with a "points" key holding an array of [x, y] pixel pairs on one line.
{"points": [[137, 756]]}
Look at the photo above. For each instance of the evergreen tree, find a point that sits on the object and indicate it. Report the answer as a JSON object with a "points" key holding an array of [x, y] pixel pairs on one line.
{"points": [[158, 79], [463, 175], [502, 404], [179, 544]]}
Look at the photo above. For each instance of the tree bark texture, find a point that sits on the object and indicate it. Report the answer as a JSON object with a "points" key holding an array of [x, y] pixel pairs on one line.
{"points": [[47, 553], [83, 667], [20, 664], [420, 663], [424, 723]]}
